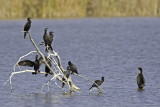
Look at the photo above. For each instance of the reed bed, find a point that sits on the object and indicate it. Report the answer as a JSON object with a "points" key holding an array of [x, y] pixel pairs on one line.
{"points": [[17, 9]]}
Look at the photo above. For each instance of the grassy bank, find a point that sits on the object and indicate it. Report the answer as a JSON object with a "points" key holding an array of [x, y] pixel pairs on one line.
{"points": [[13, 9]]}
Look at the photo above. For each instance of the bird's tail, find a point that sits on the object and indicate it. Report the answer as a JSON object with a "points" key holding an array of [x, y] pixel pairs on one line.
{"points": [[46, 50], [63, 79], [90, 88], [63, 84], [24, 35], [49, 48], [140, 86]]}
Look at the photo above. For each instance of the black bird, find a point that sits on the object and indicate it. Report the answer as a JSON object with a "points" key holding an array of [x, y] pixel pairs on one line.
{"points": [[72, 67], [45, 35], [29, 63], [27, 26], [140, 79], [48, 39], [98, 82], [63, 79], [67, 73], [47, 70], [36, 64]]}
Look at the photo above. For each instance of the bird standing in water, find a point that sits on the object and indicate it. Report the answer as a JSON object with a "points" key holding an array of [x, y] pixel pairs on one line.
{"points": [[98, 82], [72, 67], [140, 79], [27, 26], [48, 39]]}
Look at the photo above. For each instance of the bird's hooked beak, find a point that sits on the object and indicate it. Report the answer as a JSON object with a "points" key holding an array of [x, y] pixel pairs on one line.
{"points": [[137, 68], [140, 69]]}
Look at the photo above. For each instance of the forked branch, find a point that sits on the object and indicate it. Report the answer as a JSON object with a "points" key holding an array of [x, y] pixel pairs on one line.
{"points": [[71, 86], [57, 67]]}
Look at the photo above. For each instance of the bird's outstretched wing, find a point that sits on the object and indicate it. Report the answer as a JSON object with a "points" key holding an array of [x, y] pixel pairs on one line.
{"points": [[26, 63]]}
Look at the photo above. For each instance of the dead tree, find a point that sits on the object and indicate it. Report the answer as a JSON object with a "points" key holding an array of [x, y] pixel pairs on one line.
{"points": [[57, 73]]}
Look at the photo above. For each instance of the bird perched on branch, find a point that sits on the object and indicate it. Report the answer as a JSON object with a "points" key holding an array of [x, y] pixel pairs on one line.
{"points": [[98, 82], [140, 79], [36, 64], [48, 39], [27, 26], [72, 67], [47, 70], [66, 74], [29, 63]]}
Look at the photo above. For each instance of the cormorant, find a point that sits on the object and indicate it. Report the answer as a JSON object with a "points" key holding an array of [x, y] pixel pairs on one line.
{"points": [[48, 39], [29, 63], [140, 79], [45, 34], [36, 64], [72, 67], [47, 70], [27, 26], [67, 73], [63, 79], [98, 82]]}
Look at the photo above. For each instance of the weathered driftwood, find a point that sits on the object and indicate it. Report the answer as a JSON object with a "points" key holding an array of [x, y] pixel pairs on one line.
{"points": [[57, 74], [72, 87]]}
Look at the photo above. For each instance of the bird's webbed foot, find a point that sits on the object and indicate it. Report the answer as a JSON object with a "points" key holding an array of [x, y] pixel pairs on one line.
{"points": [[34, 73]]}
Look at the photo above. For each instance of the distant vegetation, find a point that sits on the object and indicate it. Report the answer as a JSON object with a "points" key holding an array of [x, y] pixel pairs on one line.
{"points": [[16, 9]]}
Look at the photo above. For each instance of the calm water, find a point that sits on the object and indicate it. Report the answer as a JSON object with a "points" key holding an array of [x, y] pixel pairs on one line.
{"points": [[112, 48]]}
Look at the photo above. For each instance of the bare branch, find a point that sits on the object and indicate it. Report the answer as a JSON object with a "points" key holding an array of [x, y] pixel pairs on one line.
{"points": [[13, 73], [14, 68], [58, 72]]}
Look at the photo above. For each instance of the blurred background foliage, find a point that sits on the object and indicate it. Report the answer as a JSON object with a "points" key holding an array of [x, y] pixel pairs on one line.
{"points": [[17, 9]]}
